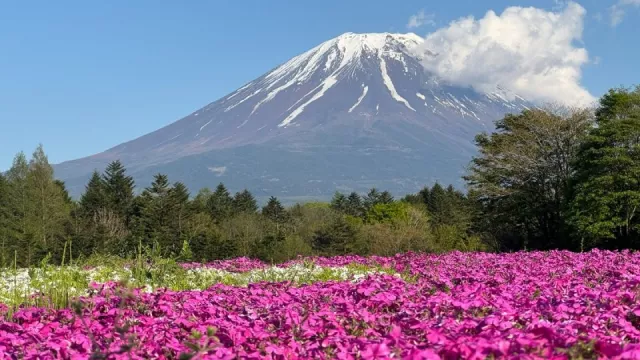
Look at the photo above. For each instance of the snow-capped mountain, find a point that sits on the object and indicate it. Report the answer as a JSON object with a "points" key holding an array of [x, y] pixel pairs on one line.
{"points": [[353, 112]]}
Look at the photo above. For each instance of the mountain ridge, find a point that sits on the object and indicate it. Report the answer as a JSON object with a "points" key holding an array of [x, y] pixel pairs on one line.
{"points": [[353, 95]]}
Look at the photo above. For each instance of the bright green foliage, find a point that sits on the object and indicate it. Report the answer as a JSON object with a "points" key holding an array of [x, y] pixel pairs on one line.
{"points": [[390, 213], [186, 254], [48, 211], [606, 205]]}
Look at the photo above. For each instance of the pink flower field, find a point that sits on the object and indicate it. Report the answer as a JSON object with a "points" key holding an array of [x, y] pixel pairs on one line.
{"points": [[460, 305]]}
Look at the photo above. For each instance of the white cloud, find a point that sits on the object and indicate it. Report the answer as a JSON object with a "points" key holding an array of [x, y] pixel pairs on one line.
{"points": [[559, 4], [420, 19], [527, 50], [617, 11], [218, 170]]}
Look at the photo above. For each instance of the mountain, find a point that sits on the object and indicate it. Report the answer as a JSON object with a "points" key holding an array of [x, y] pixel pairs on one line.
{"points": [[354, 112]]}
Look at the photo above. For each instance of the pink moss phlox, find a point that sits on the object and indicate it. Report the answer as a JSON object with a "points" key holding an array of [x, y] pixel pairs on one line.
{"points": [[536, 305]]}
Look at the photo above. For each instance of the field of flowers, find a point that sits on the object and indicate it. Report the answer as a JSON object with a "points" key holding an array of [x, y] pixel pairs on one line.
{"points": [[413, 306]]}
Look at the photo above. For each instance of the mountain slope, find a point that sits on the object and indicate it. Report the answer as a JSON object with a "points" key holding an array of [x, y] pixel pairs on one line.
{"points": [[354, 112]]}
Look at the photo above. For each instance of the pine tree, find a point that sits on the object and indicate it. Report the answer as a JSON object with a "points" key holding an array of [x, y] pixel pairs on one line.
{"points": [[199, 203], [335, 238], [385, 198], [65, 193], [424, 194], [179, 198], [274, 211], [18, 203], [5, 212], [48, 209], [339, 202], [354, 206], [372, 198], [118, 189], [220, 204], [244, 202], [437, 204], [94, 197], [157, 215]]}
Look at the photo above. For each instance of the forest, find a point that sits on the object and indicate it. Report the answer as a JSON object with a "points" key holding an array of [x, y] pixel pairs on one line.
{"points": [[546, 178]]}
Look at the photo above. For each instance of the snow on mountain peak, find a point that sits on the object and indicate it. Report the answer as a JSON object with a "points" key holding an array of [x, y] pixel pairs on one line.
{"points": [[386, 61], [338, 53], [334, 59]]}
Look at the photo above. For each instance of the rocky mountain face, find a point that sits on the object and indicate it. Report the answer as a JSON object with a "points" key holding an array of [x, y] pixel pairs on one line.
{"points": [[354, 112]]}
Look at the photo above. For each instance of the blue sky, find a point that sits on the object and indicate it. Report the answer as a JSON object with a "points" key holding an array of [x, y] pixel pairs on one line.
{"points": [[83, 76]]}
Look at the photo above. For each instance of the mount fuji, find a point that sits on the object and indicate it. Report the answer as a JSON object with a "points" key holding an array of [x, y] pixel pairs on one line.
{"points": [[355, 112]]}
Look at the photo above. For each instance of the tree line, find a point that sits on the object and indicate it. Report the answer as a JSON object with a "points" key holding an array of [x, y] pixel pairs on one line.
{"points": [[546, 178], [39, 220]]}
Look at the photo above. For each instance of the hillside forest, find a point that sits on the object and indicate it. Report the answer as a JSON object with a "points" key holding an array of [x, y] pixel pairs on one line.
{"points": [[546, 178]]}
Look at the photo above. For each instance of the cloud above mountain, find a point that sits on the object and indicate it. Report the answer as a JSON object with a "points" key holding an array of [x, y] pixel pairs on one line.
{"points": [[534, 52], [420, 19], [617, 11]]}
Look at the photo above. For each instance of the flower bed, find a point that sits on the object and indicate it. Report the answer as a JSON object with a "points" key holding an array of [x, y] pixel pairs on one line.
{"points": [[527, 305]]}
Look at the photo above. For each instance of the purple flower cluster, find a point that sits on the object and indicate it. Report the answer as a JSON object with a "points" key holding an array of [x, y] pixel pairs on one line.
{"points": [[460, 305]]}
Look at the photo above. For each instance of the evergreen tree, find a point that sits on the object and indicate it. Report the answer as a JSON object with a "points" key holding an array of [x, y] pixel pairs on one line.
{"points": [[373, 198], [94, 197], [413, 199], [339, 202], [48, 209], [118, 189], [354, 206], [179, 199], [607, 179], [425, 194], [5, 219], [158, 215], [18, 204], [437, 204], [199, 203], [244, 202], [220, 204], [386, 197], [334, 238], [65, 193], [274, 211]]}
